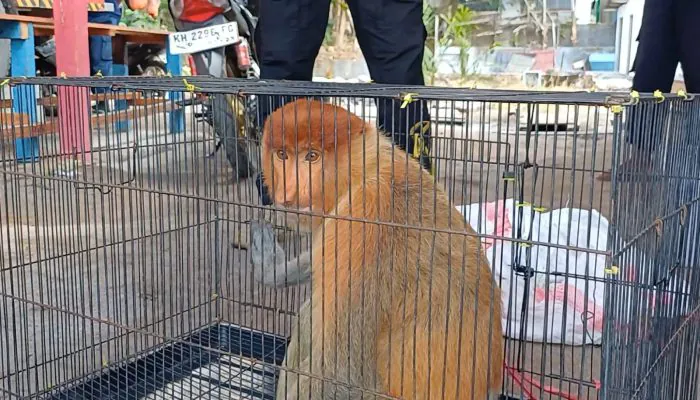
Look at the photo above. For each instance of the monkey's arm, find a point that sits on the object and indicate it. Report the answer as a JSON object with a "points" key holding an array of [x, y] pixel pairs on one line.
{"points": [[268, 257]]}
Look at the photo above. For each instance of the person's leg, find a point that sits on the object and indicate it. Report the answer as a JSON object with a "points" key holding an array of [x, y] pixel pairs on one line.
{"points": [[654, 66], [688, 31], [100, 61], [392, 37], [288, 37], [656, 62]]}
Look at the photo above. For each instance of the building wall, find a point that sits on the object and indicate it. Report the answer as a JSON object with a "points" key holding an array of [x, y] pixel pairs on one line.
{"points": [[629, 20], [515, 60]]}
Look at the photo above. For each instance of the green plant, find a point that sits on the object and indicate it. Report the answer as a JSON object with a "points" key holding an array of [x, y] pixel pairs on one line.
{"points": [[458, 34], [338, 24], [329, 37], [141, 19], [429, 58], [166, 19], [457, 31]]}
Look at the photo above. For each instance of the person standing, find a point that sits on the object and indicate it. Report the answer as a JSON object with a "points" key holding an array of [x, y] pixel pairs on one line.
{"points": [[391, 35], [667, 37], [101, 45]]}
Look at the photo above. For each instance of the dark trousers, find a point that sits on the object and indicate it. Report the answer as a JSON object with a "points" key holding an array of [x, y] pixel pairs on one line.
{"points": [[100, 55], [391, 36], [101, 45], [669, 34], [100, 59]]}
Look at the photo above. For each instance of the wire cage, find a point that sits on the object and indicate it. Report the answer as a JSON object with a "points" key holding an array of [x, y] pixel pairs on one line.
{"points": [[127, 239]]}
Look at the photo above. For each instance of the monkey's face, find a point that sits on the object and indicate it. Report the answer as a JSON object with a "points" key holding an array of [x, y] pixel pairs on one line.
{"points": [[305, 152], [296, 177]]}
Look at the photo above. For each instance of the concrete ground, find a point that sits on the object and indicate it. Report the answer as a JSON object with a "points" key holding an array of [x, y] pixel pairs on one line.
{"points": [[98, 263]]}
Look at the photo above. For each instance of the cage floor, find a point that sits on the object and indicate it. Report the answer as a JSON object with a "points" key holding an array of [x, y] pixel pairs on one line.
{"points": [[222, 361]]}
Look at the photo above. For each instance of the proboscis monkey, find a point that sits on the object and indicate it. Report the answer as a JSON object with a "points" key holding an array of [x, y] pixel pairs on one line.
{"points": [[394, 310]]}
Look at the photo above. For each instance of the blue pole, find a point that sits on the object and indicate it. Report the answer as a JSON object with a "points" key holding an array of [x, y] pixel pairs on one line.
{"points": [[23, 96], [177, 116]]}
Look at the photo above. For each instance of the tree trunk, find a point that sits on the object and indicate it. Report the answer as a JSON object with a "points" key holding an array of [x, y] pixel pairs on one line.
{"points": [[342, 27], [574, 22]]}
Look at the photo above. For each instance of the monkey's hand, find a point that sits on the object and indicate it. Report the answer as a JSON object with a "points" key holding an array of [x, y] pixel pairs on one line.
{"points": [[271, 266]]}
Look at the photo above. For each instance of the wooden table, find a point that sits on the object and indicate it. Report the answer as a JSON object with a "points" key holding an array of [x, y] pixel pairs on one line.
{"points": [[21, 30]]}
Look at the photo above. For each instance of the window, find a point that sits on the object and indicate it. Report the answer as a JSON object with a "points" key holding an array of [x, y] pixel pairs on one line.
{"points": [[620, 35], [631, 40]]}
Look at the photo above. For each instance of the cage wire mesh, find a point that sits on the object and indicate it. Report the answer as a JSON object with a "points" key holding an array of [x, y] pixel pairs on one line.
{"points": [[126, 238]]}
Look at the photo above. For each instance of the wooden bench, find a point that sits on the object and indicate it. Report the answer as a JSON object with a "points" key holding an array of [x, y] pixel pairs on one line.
{"points": [[21, 30], [17, 126], [44, 26], [132, 98]]}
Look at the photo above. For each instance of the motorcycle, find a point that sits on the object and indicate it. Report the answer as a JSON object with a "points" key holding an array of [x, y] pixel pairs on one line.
{"points": [[224, 112], [142, 59], [146, 59]]}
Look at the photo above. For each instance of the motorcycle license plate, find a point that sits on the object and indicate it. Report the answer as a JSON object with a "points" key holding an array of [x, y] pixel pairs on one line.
{"points": [[202, 39]]}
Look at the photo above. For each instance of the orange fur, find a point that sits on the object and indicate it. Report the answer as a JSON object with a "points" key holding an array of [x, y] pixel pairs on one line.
{"points": [[381, 290]]}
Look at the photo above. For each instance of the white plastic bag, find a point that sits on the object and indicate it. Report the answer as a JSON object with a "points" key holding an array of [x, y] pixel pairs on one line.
{"points": [[560, 309]]}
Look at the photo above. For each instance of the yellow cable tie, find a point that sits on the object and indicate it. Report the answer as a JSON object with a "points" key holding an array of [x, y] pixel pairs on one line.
{"points": [[508, 179], [4, 82], [635, 96], [613, 270], [659, 96], [540, 209], [408, 98], [521, 244], [188, 86], [616, 109], [63, 75], [523, 204], [419, 146], [683, 94], [99, 74]]}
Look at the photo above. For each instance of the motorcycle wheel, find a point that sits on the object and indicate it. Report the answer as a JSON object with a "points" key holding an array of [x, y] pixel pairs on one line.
{"points": [[227, 120], [154, 69], [233, 124]]}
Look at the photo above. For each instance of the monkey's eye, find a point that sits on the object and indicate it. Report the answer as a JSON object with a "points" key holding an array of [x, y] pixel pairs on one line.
{"points": [[281, 154], [313, 156]]}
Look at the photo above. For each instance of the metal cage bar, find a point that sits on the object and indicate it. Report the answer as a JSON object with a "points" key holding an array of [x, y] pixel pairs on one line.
{"points": [[131, 272]]}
